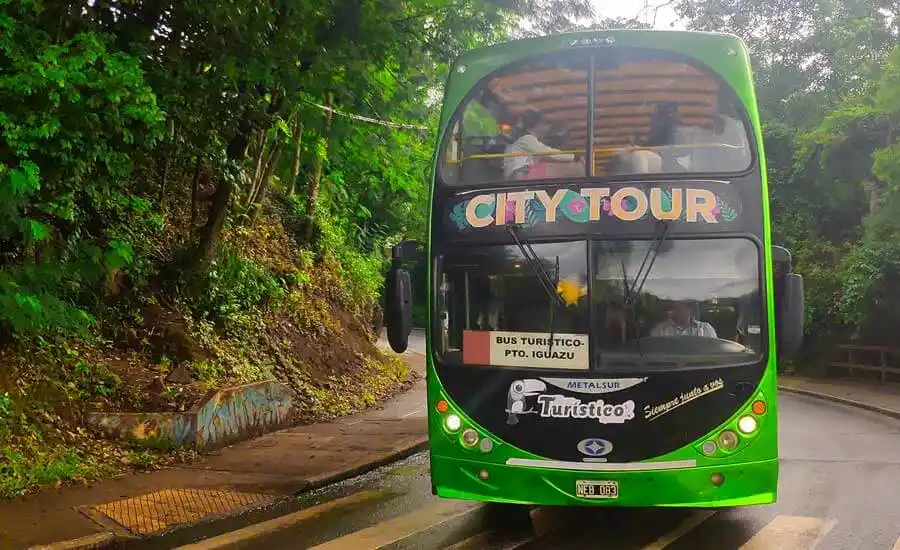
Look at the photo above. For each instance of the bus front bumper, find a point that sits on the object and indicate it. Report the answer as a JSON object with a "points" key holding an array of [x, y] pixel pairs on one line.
{"points": [[742, 484]]}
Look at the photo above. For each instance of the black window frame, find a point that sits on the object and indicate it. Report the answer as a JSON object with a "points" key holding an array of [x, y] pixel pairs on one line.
{"points": [[589, 241], [592, 53]]}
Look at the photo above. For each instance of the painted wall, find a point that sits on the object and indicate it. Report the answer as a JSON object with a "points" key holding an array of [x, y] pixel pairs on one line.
{"points": [[222, 417], [236, 414]]}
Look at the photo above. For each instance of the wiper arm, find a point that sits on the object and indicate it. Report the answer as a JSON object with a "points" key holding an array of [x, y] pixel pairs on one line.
{"points": [[535, 263], [629, 309], [553, 309], [633, 290], [638, 284]]}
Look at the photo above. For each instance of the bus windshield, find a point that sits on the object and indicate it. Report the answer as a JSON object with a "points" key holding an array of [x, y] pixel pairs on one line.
{"points": [[696, 304], [654, 112]]}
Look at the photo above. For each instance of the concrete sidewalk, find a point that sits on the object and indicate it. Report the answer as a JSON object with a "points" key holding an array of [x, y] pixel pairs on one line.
{"points": [[253, 475], [881, 397]]}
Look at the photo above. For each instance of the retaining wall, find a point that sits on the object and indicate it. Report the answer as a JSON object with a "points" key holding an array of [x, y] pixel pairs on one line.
{"points": [[221, 418]]}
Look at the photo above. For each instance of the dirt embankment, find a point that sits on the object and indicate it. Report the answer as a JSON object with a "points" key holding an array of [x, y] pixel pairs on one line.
{"points": [[157, 354]]}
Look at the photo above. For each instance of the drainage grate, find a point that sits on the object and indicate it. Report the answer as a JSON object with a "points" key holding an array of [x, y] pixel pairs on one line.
{"points": [[162, 510]]}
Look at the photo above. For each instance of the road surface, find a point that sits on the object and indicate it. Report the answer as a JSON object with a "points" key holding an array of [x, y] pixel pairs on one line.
{"points": [[839, 490]]}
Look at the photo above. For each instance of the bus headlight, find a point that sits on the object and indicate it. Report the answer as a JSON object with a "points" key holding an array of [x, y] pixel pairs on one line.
{"points": [[728, 440], [452, 423], [747, 424], [469, 437]]}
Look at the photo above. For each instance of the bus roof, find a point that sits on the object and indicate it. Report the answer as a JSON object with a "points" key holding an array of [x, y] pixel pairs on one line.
{"points": [[631, 90], [660, 38]]}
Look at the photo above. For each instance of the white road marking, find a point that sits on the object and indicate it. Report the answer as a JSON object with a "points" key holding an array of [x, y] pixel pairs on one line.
{"points": [[790, 533], [686, 526], [416, 411]]}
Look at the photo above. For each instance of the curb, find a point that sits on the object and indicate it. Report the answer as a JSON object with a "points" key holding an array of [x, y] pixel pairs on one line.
{"points": [[97, 540], [842, 400], [314, 483], [109, 539]]}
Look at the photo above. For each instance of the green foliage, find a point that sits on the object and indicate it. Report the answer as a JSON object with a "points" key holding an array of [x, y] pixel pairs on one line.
{"points": [[234, 286], [19, 471], [72, 114], [29, 306], [6, 415], [207, 372], [870, 270], [828, 75], [886, 165], [361, 272], [141, 148], [91, 381]]}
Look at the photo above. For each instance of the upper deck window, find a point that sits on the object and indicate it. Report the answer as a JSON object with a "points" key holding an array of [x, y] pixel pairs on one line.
{"points": [[652, 113]]}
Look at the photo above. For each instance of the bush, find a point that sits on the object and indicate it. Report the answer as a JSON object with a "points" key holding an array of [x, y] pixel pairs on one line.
{"points": [[233, 286], [361, 271]]}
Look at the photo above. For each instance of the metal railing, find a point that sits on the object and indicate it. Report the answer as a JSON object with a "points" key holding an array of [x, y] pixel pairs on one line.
{"points": [[882, 360]]}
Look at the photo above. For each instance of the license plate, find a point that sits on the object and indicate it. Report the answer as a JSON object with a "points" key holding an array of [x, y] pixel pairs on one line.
{"points": [[596, 489]]}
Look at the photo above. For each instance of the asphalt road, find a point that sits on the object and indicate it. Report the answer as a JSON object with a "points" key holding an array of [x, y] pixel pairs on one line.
{"points": [[839, 490]]}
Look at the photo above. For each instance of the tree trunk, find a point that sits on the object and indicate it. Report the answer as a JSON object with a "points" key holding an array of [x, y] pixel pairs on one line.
{"points": [[195, 194], [313, 192], [236, 153], [260, 157], [167, 160], [872, 188], [296, 149], [210, 237], [269, 166], [260, 190]]}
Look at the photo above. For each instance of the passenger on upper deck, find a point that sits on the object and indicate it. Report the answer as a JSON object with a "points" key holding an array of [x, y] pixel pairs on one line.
{"points": [[725, 130], [519, 166], [668, 129]]}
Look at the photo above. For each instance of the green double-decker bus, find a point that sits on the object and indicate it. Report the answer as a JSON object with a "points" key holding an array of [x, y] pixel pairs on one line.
{"points": [[606, 307]]}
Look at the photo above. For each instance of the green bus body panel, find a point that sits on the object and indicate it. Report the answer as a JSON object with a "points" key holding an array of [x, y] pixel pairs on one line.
{"points": [[750, 483], [750, 472]]}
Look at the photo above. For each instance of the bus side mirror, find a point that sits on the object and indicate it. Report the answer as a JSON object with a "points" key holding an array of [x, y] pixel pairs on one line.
{"points": [[789, 304], [398, 296]]}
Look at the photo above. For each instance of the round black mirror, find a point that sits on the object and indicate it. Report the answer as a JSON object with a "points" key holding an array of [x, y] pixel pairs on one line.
{"points": [[398, 314]]}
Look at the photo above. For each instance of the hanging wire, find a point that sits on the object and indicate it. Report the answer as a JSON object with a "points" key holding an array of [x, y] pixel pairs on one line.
{"points": [[368, 119]]}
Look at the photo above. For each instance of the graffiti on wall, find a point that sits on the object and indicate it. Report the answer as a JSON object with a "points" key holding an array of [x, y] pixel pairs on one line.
{"points": [[236, 413], [222, 417], [158, 430]]}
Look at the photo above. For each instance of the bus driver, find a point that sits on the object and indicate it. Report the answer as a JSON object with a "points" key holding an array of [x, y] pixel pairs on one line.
{"points": [[682, 323]]}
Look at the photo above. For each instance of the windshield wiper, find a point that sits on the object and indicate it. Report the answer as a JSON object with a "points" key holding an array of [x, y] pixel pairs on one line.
{"points": [[630, 310], [553, 309], [634, 289], [652, 252], [535, 263], [543, 278]]}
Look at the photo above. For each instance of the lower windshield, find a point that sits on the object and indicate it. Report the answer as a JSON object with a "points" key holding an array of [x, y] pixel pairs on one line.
{"points": [[694, 303], [498, 305]]}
